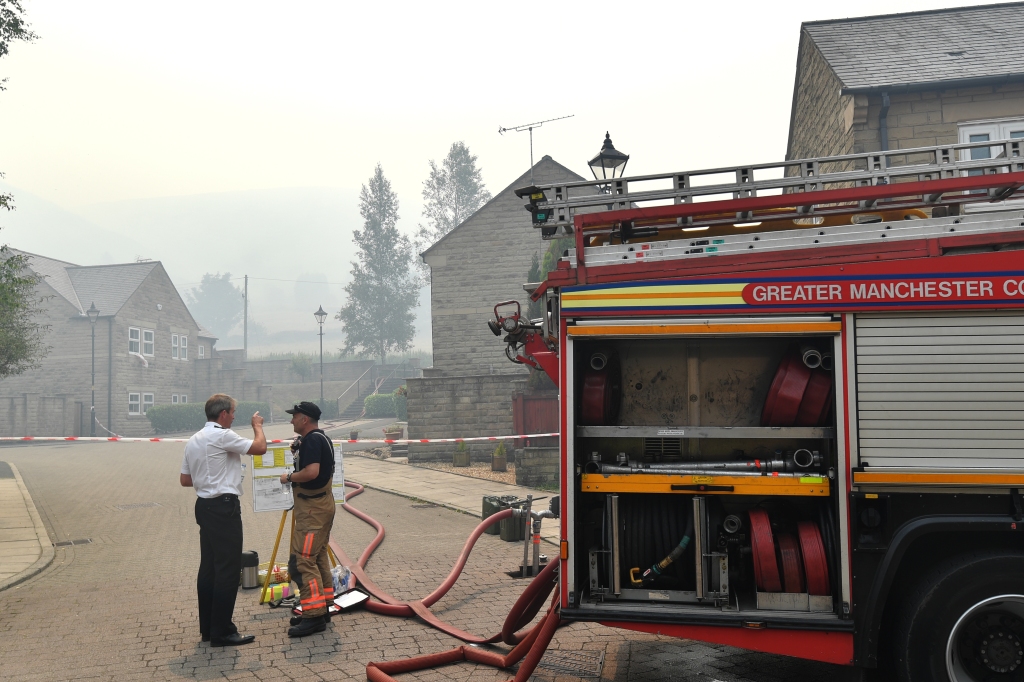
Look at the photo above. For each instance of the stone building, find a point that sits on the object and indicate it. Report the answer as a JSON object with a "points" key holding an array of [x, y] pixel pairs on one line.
{"points": [[908, 80], [149, 351], [483, 261]]}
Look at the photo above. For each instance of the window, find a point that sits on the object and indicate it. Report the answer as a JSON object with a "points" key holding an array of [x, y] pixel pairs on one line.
{"points": [[202, 351], [174, 399], [989, 131], [174, 346], [184, 398], [147, 342], [184, 347], [147, 402], [134, 334], [133, 403]]}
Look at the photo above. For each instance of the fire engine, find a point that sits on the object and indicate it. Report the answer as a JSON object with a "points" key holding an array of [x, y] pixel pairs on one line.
{"points": [[792, 405]]}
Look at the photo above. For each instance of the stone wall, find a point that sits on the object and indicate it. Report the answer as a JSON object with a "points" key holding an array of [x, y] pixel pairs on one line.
{"points": [[537, 467], [825, 122], [822, 119], [42, 401], [484, 261], [453, 407], [931, 117]]}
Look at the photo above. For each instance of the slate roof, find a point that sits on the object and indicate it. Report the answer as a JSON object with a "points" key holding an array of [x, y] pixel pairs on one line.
{"points": [[54, 273], [108, 286], [948, 47]]}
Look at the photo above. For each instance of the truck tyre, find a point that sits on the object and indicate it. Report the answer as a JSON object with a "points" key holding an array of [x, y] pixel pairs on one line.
{"points": [[964, 622]]}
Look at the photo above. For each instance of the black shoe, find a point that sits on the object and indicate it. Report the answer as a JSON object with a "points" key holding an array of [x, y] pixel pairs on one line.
{"points": [[295, 620], [234, 639], [308, 626], [206, 638]]}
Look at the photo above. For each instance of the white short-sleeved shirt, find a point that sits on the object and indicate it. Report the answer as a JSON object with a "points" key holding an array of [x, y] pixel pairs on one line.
{"points": [[213, 460]]}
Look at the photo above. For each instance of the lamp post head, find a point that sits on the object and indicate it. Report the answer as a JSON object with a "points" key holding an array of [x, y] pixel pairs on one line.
{"points": [[320, 315], [609, 163], [93, 312]]}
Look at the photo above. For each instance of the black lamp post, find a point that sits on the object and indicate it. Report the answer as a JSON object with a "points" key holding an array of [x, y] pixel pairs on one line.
{"points": [[610, 163], [93, 314], [320, 316]]}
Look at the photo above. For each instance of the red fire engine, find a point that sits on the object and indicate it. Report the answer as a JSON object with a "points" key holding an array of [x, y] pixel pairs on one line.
{"points": [[792, 405]]}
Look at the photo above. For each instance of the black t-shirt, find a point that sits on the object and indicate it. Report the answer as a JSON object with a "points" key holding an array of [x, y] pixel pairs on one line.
{"points": [[315, 447]]}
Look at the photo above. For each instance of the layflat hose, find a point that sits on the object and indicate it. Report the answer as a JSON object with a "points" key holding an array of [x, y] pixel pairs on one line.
{"points": [[532, 647], [523, 611]]}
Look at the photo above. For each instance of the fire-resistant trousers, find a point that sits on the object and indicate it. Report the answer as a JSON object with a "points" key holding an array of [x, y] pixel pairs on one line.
{"points": [[309, 563]]}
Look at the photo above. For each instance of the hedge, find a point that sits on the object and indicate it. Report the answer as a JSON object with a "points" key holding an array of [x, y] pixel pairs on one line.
{"points": [[379, 405], [401, 408], [192, 416]]}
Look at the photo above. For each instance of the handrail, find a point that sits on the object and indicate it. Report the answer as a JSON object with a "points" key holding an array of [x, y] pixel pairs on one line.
{"points": [[393, 372], [356, 382]]}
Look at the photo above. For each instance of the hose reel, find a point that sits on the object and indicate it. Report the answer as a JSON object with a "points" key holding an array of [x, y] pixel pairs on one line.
{"points": [[802, 558]]}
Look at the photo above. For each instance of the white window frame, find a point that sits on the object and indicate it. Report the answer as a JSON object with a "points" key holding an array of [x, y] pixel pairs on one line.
{"points": [[997, 129], [184, 399], [202, 351], [147, 402], [183, 345], [174, 346], [174, 399], [137, 340], [148, 346], [134, 403]]}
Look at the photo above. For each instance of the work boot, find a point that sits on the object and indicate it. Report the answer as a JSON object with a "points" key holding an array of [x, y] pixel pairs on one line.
{"points": [[295, 620], [308, 626]]}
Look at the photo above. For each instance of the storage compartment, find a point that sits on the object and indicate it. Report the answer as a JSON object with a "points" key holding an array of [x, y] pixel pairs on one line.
{"points": [[705, 478]]}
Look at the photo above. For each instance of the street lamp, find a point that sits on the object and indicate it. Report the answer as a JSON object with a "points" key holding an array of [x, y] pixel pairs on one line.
{"points": [[93, 314], [610, 163], [320, 316]]}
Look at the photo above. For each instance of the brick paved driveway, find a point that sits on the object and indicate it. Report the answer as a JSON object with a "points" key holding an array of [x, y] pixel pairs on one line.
{"points": [[123, 607]]}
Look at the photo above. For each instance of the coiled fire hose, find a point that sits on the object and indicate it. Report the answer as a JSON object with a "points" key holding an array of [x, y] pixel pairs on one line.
{"points": [[530, 644]]}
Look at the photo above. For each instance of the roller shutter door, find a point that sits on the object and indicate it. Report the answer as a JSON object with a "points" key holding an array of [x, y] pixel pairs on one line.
{"points": [[941, 390]]}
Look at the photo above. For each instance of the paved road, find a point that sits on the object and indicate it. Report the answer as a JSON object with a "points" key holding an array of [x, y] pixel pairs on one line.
{"points": [[123, 606]]}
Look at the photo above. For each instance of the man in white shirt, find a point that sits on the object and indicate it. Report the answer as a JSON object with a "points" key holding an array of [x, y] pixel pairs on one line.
{"points": [[213, 466]]}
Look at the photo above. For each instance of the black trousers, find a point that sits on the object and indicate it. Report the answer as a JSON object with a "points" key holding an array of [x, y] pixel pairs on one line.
{"points": [[220, 543]]}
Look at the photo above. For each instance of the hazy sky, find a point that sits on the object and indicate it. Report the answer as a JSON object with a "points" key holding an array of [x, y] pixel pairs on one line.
{"points": [[122, 100]]}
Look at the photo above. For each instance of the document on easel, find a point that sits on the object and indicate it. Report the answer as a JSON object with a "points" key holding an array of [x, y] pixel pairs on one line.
{"points": [[268, 493], [338, 482]]}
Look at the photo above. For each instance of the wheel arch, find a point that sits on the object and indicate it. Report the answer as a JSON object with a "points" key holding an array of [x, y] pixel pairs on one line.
{"points": [[960, 534]]}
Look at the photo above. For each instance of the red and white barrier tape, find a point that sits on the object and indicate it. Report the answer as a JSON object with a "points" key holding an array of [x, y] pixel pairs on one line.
{"points": [[118, 439]]}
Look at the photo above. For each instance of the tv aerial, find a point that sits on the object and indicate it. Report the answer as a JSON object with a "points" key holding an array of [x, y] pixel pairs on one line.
{"points": [[530, 127]]}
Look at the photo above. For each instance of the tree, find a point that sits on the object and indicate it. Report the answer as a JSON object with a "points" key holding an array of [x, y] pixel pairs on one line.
{"points": [[534, 309], [452, 192], [303, 366], [216, 303], [21, 339], [378, 317]]}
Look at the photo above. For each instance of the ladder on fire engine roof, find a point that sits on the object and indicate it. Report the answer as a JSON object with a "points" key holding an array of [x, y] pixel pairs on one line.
{"points": [[926, 177]]}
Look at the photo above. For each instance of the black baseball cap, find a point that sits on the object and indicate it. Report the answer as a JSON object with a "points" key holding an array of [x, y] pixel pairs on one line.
{"points": [[311, 410]]}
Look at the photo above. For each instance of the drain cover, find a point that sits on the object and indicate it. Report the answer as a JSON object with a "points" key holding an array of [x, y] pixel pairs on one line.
{"points": [[68, 543], [137, 505], [576, 663]]}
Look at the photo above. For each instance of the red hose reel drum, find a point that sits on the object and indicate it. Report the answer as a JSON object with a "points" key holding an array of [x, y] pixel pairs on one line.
{"points": [[798, 396], [815, 563], [804, 567], [766, 567], [601, 390]]}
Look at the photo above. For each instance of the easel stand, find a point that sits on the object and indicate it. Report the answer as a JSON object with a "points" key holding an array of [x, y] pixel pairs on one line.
{"points": [[277, 545]]}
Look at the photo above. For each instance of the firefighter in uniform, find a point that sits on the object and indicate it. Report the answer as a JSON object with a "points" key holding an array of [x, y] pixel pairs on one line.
{"points": [[313, 514]]}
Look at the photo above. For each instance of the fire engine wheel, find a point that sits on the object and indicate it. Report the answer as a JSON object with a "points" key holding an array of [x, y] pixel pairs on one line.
{"points": [[964, 622]]}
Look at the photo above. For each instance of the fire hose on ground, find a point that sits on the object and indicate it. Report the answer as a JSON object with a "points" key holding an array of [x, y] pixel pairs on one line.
{"points": [[529, 645]]}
